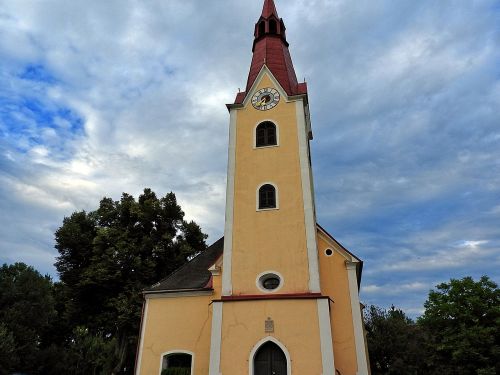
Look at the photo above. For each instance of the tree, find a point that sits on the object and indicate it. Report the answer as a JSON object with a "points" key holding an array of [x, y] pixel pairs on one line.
{"points": [[107, 256], [26, 308], [396, 344], [463, 318]]}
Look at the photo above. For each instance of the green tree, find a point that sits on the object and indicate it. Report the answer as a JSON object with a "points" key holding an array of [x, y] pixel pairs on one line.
{"points": [[106, 257], [26, 308], [7, 349], [463, 319], [396, 345]]}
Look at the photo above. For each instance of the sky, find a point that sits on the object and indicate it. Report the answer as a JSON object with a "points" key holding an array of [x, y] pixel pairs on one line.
{"points": [[103, 97]]}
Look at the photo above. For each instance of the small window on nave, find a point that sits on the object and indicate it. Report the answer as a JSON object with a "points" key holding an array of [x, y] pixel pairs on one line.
{"points": [[176, 364], [265, 134], [267, 197]]}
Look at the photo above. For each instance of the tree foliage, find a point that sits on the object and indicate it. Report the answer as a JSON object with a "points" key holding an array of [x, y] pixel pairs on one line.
{"points": [[109, 255], [394, 342], [26, 309], [88, 323], [464, 319], [458, 334]]}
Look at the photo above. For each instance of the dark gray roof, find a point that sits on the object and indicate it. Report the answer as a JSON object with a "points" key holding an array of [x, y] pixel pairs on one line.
{"points": [[192, 275]]}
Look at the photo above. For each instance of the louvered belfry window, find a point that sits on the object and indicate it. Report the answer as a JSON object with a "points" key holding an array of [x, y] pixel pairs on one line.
{"points": [[267, 196], [266, 134]]}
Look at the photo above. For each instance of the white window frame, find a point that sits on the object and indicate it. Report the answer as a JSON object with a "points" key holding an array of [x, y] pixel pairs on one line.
{"points": [[270, 272], [177, 351], [276, 197], [255, 135]]}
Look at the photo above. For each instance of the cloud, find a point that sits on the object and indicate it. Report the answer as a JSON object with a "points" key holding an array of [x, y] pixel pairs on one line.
{"points": [[98, 98]]}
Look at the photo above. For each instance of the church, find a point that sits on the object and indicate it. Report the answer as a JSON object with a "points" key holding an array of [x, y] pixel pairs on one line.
{"points": [[277, 295]]}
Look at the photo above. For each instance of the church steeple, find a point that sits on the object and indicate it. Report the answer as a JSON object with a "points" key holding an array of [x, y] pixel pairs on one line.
{"points": [[270, 48]]}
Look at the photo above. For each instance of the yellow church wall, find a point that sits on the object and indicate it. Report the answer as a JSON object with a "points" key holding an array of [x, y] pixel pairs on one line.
{"points": [[335, 284], [179, 323], [256, 245], [296, 327]]}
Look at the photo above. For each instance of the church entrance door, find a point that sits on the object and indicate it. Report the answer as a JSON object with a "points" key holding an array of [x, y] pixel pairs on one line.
{"points": [[270, 360]]}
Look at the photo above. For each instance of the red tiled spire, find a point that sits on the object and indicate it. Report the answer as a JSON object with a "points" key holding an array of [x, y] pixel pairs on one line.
{"points": [[271, 48], [268, 9]]}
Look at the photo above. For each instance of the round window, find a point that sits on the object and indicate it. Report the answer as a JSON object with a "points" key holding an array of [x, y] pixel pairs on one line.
{"points": [[329, 252], [269, 282]]}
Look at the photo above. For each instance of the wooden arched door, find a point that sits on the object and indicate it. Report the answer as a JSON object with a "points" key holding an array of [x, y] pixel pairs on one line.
{"points": [[269, 360]]}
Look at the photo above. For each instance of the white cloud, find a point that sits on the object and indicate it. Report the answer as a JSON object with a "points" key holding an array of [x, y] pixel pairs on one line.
{"points": [[403, 95]]}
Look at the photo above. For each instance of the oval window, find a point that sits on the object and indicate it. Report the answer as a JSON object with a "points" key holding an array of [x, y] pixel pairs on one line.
{"points": [[269, 282]]}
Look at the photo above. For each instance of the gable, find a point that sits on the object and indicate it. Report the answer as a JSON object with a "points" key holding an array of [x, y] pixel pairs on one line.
{"points": [[341, 250]]}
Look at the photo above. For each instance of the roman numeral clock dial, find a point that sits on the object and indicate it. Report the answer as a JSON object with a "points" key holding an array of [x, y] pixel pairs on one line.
{"points": [[265, 99]]}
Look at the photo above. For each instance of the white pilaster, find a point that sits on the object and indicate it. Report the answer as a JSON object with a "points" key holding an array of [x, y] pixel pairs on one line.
{"points": [[227, 286], [141, 344], [215, 339], [359, 338], [325, 334], [307, 195]]}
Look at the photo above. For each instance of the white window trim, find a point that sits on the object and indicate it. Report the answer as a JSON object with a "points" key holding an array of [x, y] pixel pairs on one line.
{"points": [[178, 351], [262, 289], [257, 197], [328, 248], [262, 342], [255, 134]]}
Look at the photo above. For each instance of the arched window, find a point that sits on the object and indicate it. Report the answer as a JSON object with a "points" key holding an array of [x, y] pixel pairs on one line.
{"points": [[262, 28], [265, 134], [269, 359], [267, 196], [176, 364], [273, 27]]}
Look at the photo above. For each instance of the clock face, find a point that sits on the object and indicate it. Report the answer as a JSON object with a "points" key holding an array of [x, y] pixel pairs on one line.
{"points": [[265, 99]]}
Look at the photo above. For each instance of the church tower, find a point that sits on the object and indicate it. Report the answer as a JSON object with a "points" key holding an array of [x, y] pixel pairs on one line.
{"points": [[277, 294], [270, 218]]}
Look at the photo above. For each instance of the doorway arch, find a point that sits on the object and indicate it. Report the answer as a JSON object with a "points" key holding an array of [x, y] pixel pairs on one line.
{"points": [[269, 355]]}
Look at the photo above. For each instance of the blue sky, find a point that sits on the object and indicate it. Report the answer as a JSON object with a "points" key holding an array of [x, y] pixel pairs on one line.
{"points": [[99, 98]]}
